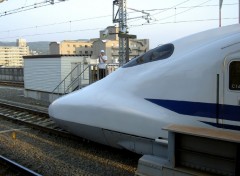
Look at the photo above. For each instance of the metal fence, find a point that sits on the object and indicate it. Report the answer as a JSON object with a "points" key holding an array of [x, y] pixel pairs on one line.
{"points": [[81, 76], [11, 74]]}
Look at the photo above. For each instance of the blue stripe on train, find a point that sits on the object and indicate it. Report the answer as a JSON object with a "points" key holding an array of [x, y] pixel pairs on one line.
{"points": [[226, 112]]}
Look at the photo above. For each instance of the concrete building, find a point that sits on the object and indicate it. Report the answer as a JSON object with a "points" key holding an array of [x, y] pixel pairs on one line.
{"points": [[74, 47], [12, 56], [108, 41], [43, 73], [111, 47]]}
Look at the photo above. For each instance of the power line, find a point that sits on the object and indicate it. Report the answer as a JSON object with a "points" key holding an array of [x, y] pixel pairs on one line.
{"points": [[191, 8], [133, 26], [183, 21], [166, 9], [30, 7], [171, 7], [53, 24], [49, 33], [93, 18], [181, 7], [197, 6]]}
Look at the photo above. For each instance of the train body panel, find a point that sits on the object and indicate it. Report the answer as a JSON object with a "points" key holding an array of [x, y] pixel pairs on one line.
{"points": [[193, 81]]}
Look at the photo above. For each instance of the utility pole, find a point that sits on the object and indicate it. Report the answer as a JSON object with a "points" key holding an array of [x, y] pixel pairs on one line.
{"points": [[220, 12], [239, 11], [120, 17]]}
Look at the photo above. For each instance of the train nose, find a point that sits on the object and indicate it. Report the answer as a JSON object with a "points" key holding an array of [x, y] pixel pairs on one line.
{"points": [[66, 107], [81, 113], [80, 106]]}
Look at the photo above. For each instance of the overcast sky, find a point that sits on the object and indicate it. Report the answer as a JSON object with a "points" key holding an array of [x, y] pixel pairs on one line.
{"points": [[82, 19]]}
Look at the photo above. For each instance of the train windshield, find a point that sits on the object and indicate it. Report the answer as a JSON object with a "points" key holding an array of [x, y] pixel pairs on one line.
{"points": [[159, 53]]}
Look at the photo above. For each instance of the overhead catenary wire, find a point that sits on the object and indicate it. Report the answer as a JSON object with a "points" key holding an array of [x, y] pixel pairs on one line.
{"points": [[189, 8], [30, 7], [184, 7], [53, 24], [198, 6], [182, 21], [156, 21], [58, 32], [133, 26], [98, 17], [166, 9]]}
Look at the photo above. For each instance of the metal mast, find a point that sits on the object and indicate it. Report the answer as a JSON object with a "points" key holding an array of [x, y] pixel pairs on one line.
{"points": [[220, 12], [120, 16]]}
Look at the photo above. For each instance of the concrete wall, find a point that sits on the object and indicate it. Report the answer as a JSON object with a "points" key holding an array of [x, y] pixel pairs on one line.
{"points": [[42, 74], [45, 73]]}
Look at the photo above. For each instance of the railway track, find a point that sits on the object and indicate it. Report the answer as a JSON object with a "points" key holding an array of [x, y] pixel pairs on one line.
{"points": [[63, 152], [31, 117], [12, 83], [13, 168]]}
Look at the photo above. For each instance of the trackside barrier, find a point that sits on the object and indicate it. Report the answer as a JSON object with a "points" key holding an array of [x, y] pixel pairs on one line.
{"points": [[195, 151], [11, 75]]}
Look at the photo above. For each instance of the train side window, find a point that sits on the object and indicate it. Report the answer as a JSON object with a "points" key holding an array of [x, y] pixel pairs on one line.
{"points": [[159, 53], [234, 75]]}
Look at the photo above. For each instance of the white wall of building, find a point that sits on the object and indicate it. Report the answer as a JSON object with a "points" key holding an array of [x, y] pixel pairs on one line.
{"points": [[46, 72], [42, 74]]}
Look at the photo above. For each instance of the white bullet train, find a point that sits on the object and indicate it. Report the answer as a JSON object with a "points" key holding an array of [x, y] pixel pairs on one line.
{"points": [[192, 81]]}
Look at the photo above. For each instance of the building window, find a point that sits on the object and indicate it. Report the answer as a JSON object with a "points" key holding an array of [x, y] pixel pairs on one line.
{"points": [[234, 75], [80, 52], [86, 46], [86, 52], [74, 46]]}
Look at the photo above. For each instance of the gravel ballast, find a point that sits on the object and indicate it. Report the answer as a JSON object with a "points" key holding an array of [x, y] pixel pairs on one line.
{"points": [[49, 154]]}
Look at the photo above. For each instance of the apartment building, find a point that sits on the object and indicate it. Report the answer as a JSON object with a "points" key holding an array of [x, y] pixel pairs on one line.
{"points": [[107, 41], [12, 56], [71, 47]]}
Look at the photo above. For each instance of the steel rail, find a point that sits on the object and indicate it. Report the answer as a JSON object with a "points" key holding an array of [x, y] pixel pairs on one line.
{"points": [[30, 117], [12, 83], [17, 167], [33, 118]]}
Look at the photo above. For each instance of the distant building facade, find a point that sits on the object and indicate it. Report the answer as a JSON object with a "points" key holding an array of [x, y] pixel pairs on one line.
{"points": [[108, 42], [12, 56], [71, 47]]}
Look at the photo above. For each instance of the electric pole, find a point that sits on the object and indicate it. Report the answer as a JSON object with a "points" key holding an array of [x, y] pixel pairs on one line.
{"points": [[220, 12], [120, 17]]}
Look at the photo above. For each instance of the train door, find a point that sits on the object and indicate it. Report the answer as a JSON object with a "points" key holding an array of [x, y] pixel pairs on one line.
{"points": [[230, 111]]}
